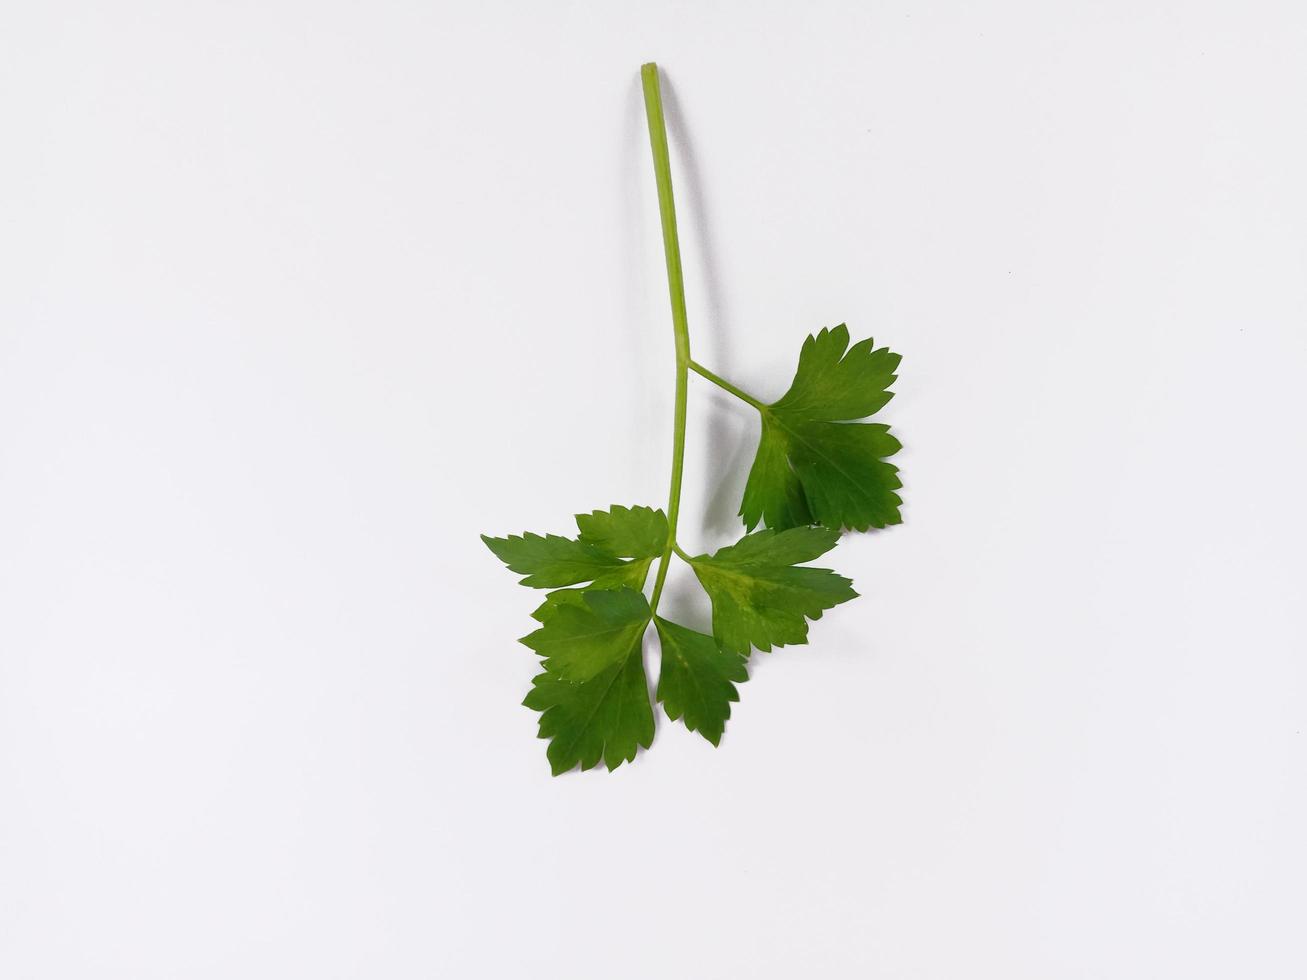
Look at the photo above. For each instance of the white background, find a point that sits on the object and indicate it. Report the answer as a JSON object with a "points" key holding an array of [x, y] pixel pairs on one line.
{"points": [[298, 298]]}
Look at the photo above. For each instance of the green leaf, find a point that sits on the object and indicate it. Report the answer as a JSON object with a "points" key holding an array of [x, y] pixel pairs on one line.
{"points": [[844, 475], [815, 463], [695, 680], [629, 576], [549, 560], [833, 384], [607, 717], [555, 599], [614, 550], [580, 639], [760, 598], [628, 532], [774, 493]]}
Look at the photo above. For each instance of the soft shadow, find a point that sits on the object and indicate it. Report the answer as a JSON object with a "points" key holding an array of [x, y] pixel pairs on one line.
{"points": [[684, 601], [732, 441], [729, 454], [691, 201]]}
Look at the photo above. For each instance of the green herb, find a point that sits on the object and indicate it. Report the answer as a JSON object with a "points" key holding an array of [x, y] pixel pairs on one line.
{"points": [[819, 470]]}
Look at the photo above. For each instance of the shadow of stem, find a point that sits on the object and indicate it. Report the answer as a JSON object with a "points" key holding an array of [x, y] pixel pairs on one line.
{"points": [[729, 455]]}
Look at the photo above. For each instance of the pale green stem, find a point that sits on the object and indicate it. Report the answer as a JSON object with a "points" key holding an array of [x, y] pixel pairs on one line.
{"points": [[725, 385], [653, 108]]}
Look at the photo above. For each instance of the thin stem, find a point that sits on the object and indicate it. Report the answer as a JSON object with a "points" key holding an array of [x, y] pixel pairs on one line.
{"points": [[653, 108], [681, 554], [725, 385]]}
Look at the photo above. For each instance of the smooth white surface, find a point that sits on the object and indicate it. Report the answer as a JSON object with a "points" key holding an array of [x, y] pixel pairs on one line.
{"points": [[298, 298]]}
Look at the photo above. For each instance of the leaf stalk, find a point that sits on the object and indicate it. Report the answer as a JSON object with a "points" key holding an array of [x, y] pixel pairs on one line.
{"points": [[726, 386], [653, 108]]}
